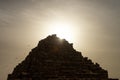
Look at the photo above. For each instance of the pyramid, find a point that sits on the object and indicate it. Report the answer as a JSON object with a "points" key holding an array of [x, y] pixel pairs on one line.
{"points": [[56, 59]]}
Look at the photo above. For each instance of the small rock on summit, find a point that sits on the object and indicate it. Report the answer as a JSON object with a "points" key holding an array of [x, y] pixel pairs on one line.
{"points": [[56, 59]]}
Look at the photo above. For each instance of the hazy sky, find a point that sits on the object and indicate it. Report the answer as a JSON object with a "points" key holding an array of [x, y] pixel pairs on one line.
{"points": [[95, 24]]}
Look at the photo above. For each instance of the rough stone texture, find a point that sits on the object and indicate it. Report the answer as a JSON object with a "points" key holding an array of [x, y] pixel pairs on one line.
{"points": [[56, 59]]}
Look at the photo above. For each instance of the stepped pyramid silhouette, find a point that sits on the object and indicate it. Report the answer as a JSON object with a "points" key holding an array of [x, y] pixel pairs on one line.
{"points": [[56, 59]]}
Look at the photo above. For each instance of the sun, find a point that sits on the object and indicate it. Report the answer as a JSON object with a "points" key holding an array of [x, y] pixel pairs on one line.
{"points": [[63, 30]]}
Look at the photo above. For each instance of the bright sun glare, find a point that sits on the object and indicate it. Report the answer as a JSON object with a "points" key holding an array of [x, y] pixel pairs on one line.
{"points": [[63, 30]]}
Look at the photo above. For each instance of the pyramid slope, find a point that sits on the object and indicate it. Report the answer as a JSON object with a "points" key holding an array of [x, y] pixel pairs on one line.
{"points": [[56, 59]]}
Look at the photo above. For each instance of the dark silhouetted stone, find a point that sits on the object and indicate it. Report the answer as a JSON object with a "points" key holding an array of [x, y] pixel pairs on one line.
{"points": [[56, 59]]}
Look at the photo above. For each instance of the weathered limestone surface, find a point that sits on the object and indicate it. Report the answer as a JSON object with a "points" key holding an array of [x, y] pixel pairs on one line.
{"points": [[56, 59]]}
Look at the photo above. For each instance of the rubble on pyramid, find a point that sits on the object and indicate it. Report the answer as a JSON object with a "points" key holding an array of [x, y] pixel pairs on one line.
{"points": [[56, 59]]}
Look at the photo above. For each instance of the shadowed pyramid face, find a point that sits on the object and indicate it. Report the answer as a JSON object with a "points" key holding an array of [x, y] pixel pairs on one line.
{"points": [[56, 59], [53, 44]]}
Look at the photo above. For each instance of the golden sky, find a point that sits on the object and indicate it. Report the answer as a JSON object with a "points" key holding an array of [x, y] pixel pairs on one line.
{"points": [[93, 26]]}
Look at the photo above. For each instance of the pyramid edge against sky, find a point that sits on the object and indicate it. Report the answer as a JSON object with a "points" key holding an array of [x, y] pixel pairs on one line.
{"points": [[56, 59]]}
